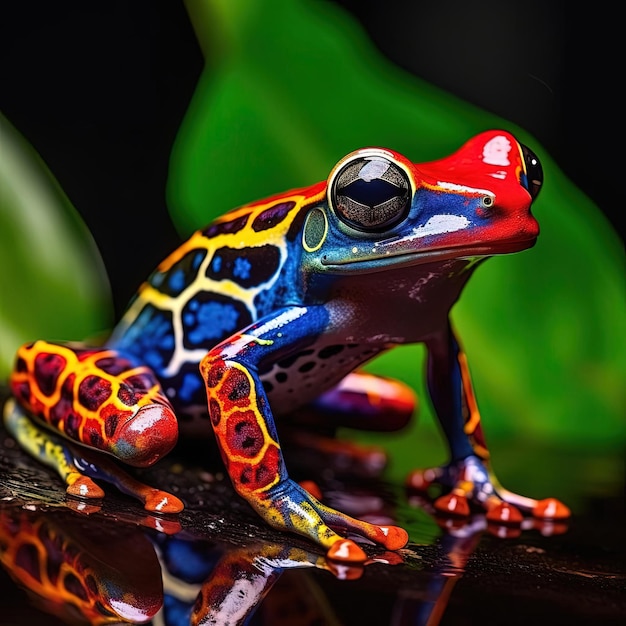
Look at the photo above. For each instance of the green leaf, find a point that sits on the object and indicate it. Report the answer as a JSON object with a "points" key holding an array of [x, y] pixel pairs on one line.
{"points": [[52, 281], [290, 87]]}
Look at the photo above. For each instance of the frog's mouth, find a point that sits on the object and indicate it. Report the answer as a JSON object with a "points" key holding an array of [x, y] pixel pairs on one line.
{"points": [[377, 256]]}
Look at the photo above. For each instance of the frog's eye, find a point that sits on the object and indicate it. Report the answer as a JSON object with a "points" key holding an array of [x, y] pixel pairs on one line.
{"points": [[370, 193], [534, 172]]}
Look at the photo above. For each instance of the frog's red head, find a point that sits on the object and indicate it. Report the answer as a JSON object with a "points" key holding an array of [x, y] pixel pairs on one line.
{"points": [[386, 210]]}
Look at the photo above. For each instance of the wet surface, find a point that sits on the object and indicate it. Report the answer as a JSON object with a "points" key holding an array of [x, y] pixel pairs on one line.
{"points": [[70, 562]]}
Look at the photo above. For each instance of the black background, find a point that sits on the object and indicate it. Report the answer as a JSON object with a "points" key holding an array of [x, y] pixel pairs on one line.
{"points": [[99, 89]]}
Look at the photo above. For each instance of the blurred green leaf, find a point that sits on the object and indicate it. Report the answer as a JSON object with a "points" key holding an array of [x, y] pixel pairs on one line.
{"points": [[52, 281], [290, 87]]}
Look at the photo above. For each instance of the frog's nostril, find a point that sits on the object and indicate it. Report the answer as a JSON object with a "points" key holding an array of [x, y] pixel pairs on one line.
{"points": [[150, 434]]}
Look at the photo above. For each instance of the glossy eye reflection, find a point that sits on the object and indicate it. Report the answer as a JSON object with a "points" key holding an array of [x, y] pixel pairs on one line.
{"points": [[371, 193], [534, 172]]}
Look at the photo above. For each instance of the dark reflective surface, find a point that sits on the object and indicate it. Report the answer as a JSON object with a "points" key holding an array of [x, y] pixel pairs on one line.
{"points": [[68, 562]]}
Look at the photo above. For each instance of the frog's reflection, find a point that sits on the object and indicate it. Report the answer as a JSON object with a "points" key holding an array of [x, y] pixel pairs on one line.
{"points": [[84, 572], [89, 573], [80, 572]]}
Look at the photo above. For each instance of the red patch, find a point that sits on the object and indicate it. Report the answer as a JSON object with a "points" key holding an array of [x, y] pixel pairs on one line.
{"points": [[260, 475], [215, 411], [48, 367], [215, 373], [127, 395], [245, 438], [93, 391], [235, 389]]}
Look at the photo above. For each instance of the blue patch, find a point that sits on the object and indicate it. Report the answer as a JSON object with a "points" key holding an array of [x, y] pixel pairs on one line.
{"points": [[150, 338], [242, 269], [189, 386], [177, 280], [210, 317], [216, 264], [214, 321]]}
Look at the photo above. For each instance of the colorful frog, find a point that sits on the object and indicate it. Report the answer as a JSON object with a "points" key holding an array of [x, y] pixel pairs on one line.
{"points": [[270, 311]]}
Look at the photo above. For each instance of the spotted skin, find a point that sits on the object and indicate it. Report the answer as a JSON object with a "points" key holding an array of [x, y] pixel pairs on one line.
{"points": [[269, 312], [95, 397], [76, 578]]}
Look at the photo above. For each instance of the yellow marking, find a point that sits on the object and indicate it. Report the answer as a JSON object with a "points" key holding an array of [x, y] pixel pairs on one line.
{"points": [[82, 369], [473, 418]]}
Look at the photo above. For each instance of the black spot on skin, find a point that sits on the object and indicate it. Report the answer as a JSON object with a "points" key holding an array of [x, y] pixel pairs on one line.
{"points": [[267, 385], [288, 361], [247, 267], [222, 228], [306, 367], [330, 351], [272, 216], [180, 275], [110, 424], [281, 377]]}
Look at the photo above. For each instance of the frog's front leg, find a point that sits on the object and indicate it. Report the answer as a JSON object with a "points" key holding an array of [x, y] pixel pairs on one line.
{"points": [[468, 474], [246, 434]]}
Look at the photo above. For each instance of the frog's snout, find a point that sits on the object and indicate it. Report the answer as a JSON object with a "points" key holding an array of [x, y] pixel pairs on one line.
{"points": [[147, 436]]}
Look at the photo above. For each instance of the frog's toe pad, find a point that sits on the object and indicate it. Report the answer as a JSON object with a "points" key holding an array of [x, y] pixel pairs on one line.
{"points": [[345, 550], [146, 437], [421, 479], [504, 513], [551, 508], [394, 537], [84, 487], [158, 501], [453, 504]]}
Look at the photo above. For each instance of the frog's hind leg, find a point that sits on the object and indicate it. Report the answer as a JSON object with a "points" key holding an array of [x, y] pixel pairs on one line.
{"points": [[362, 401], [367, 401], [97, 398], [77, 467]]}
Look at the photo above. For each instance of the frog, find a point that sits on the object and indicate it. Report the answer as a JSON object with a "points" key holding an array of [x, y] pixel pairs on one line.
{"points": [[272, 311]]}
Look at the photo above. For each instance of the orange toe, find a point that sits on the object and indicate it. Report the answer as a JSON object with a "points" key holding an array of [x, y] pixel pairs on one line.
{"points": [[504, 513], [551, 508], [347, 551], [453, 504]]}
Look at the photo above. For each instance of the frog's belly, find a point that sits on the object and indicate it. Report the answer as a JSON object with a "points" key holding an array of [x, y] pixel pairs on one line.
{"points": [[302, 377]]}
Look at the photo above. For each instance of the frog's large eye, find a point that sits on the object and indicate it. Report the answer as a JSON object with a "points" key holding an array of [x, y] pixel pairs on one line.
{"points": [[534, 172], [370, 193]]}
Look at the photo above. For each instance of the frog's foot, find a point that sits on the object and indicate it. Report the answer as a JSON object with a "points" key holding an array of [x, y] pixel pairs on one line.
{"points": [[77, 466], [470, 484], [287, 506]]}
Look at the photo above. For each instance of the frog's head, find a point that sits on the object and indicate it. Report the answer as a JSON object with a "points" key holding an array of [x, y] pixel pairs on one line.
{"points": [[382, 210]]}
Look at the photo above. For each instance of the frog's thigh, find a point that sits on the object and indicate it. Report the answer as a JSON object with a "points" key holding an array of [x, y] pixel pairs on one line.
{"points": [[366, 402], [97, 397]]}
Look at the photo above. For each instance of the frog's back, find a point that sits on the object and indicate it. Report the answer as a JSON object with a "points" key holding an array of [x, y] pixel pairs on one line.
{"points": [[224, 277]]}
